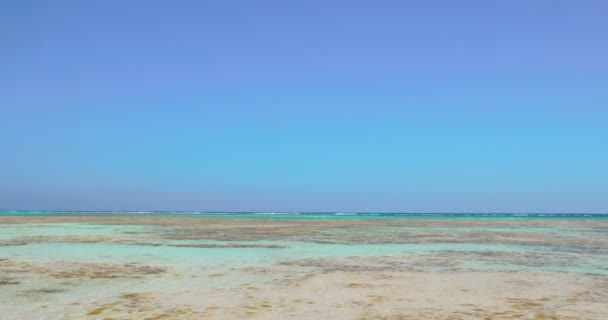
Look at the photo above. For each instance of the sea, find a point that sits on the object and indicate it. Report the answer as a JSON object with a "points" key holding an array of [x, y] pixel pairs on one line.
{"points": [[305, 265]]}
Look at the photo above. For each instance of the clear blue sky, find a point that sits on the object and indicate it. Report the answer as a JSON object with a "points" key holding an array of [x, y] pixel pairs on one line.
{"points": [[410, 106]]}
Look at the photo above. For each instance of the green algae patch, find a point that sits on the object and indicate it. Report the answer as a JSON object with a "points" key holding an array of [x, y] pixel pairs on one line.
{"points": [[524, 304], [158, 317], [96, 311], [545, 315], [376, 298], [216, 275], [8, 281], [106, 271]]}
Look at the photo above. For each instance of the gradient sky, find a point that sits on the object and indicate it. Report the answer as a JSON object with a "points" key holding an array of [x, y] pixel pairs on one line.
{"points": [[408, 106]]}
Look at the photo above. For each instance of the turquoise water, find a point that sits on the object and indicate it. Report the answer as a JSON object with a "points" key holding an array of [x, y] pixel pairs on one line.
{"points": [[93, 242], [64, 229]]}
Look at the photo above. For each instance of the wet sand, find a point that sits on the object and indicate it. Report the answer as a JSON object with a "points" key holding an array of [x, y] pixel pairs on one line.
{"points": [[158, 267]]}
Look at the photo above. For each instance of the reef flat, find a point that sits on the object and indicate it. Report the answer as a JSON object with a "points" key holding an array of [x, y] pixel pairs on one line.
{"points": [[127, 266]]}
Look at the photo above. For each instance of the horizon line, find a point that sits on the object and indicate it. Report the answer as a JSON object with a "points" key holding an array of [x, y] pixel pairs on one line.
{"points": [[294, 212]]}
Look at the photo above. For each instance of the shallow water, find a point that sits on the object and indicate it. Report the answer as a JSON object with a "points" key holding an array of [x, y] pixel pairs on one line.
{"points": [[134, 266]]}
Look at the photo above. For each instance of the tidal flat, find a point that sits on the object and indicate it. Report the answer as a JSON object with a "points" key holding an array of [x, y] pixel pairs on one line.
{"points": [[159, 266]]}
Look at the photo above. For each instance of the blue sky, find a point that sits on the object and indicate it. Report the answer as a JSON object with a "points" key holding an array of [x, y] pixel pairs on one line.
{"points": [[399, 106]]}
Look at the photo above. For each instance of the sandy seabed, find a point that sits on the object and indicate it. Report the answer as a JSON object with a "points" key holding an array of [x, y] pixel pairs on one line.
{"points": [[158, 267]]}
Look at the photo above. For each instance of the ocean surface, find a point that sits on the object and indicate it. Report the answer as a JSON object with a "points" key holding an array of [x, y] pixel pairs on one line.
{"points": [[317, 215], [205, 265]]}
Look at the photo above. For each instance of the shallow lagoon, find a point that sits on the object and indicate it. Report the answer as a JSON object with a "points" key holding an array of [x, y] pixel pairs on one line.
{"points": [[185, 266]]}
